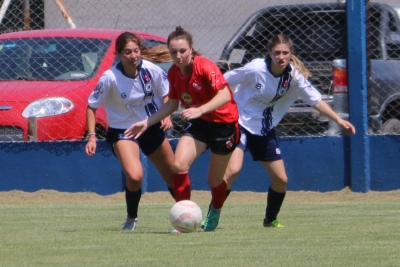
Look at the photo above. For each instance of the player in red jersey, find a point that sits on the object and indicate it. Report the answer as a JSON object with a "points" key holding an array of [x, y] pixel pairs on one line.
{"points": [[211, 118]]}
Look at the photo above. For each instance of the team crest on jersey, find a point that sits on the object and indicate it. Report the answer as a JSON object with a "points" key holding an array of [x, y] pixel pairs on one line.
{"points": [[187, 98], [123, 95], [282, 91], [147, 87], [258, 86]]}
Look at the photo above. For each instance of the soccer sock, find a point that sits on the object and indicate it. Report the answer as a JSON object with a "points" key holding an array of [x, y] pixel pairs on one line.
{"points": [[181, 186], [274, 203], [171, 191], [132, 202], [218, 195], [228, 191]]}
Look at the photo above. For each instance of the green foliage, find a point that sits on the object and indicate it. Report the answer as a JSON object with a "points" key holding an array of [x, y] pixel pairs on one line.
{"points": [[315, 234]]}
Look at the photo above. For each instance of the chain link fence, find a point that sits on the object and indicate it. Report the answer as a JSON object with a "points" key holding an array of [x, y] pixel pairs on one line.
{"points": [[47, 77]]}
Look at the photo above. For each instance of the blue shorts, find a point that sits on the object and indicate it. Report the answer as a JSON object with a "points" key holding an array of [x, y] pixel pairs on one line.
{"points": [[262, 148], [221, 138], [148, 142]]}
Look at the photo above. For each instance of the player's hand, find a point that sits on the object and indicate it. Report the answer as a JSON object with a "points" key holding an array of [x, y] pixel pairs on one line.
{"points": [[347, 126], [166, 123], [90, 148], [191, 113], [136, 129]]}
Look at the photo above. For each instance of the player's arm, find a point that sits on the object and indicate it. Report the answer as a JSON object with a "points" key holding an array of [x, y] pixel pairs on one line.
{"points": [[326, 110], [91, 145], [166, 123], [222, 97], [136, 129]]}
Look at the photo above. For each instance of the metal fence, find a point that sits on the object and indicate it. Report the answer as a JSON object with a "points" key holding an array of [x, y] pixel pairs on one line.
{"points": [[45, 79]]}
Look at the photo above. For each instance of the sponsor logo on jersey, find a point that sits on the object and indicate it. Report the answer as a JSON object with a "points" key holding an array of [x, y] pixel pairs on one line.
{"points": [[146, 78], [258, 86], [123, 95], [186, 98], [278, 151], [98, 90], [196, 86]]}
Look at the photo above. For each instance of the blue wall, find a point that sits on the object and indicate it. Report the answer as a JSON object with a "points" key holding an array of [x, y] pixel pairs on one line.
{"points": [[313, 164]]}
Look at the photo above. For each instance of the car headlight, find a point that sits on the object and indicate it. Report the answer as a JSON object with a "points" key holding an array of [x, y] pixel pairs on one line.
{"points": [[45, 107]]}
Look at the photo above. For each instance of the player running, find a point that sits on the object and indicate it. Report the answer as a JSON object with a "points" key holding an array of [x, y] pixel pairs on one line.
{"points": [[265, 89]]}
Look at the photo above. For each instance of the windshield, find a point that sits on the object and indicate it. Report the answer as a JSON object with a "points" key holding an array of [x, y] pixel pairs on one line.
{"points": [[51, 58]]}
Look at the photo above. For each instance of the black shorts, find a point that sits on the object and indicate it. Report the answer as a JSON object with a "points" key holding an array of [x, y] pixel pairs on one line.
{"points": [[221, 138], [148, 142], [262, 148]]}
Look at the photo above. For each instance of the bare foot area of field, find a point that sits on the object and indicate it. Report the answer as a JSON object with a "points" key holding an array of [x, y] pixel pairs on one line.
{"points": [[51, 196]]}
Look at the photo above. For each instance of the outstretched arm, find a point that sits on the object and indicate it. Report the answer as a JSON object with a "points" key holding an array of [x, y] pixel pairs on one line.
{"points": [[325, 109], [138, 128]]}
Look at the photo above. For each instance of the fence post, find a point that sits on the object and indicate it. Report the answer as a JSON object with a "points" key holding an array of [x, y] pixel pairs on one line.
{"points": [[32, 129], [358, 93]]}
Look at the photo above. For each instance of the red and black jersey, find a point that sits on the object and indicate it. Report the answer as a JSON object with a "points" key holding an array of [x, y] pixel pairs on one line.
{"points": [[203, 84]]}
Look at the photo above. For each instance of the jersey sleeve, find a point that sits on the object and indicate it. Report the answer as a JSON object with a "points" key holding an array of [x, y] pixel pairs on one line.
{"points": [[307, 92], [211, 72], [161, 82], [239, 76], [96, 98]]}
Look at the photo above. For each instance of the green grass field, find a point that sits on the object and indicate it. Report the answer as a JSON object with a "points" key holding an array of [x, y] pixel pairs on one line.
{"points": [[361, 233]]}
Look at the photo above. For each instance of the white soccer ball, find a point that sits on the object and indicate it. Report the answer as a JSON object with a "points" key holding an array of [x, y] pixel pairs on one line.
{"points": [[185, 216]]}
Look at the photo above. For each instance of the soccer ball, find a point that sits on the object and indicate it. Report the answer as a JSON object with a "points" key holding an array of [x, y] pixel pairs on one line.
{"points": [[185, 216]]}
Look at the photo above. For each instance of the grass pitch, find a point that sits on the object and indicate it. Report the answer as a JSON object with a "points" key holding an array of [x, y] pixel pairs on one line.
{"points": [[362, 233]]}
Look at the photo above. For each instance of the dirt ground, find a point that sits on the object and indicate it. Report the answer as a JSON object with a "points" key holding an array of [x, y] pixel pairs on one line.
{"points": [[51, 196]]}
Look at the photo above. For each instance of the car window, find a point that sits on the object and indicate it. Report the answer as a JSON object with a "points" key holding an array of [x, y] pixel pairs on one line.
{"points": [[51, 58], [317, 35]]}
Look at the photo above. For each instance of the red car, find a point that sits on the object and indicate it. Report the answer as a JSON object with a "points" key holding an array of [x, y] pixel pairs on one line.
{"points": [[46, 77]]}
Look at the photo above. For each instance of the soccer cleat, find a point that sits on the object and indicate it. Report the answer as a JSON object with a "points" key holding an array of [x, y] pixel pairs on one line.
{"points": [[130, 224], [175, 232], [212, 219], [274, 223]]}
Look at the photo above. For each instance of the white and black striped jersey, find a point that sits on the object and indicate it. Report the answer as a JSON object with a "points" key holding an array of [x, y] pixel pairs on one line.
{"points": [[128, 100], [262, 98]]}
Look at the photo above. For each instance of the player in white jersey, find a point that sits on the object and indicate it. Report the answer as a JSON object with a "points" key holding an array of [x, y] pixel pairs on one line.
{"points": [[264, 91], [131, 91]]}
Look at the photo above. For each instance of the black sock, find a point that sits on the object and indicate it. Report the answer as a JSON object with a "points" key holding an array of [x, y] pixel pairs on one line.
{"points": [[171, 191], [132, 202], [274, 203]]}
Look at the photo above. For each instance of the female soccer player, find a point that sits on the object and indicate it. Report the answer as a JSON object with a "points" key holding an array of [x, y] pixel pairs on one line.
{"points": [[133, 90], [211, 114], [265, 90]]}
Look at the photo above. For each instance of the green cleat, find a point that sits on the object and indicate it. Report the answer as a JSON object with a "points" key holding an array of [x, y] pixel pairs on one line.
{"points": [[212, 219], [273, 224]]}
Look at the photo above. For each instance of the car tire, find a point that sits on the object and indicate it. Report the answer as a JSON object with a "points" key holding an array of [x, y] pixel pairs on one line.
{"points": [[391, 126]]}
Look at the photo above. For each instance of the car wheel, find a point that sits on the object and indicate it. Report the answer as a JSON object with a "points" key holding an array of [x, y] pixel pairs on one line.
{"points": [[391, 126]]}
